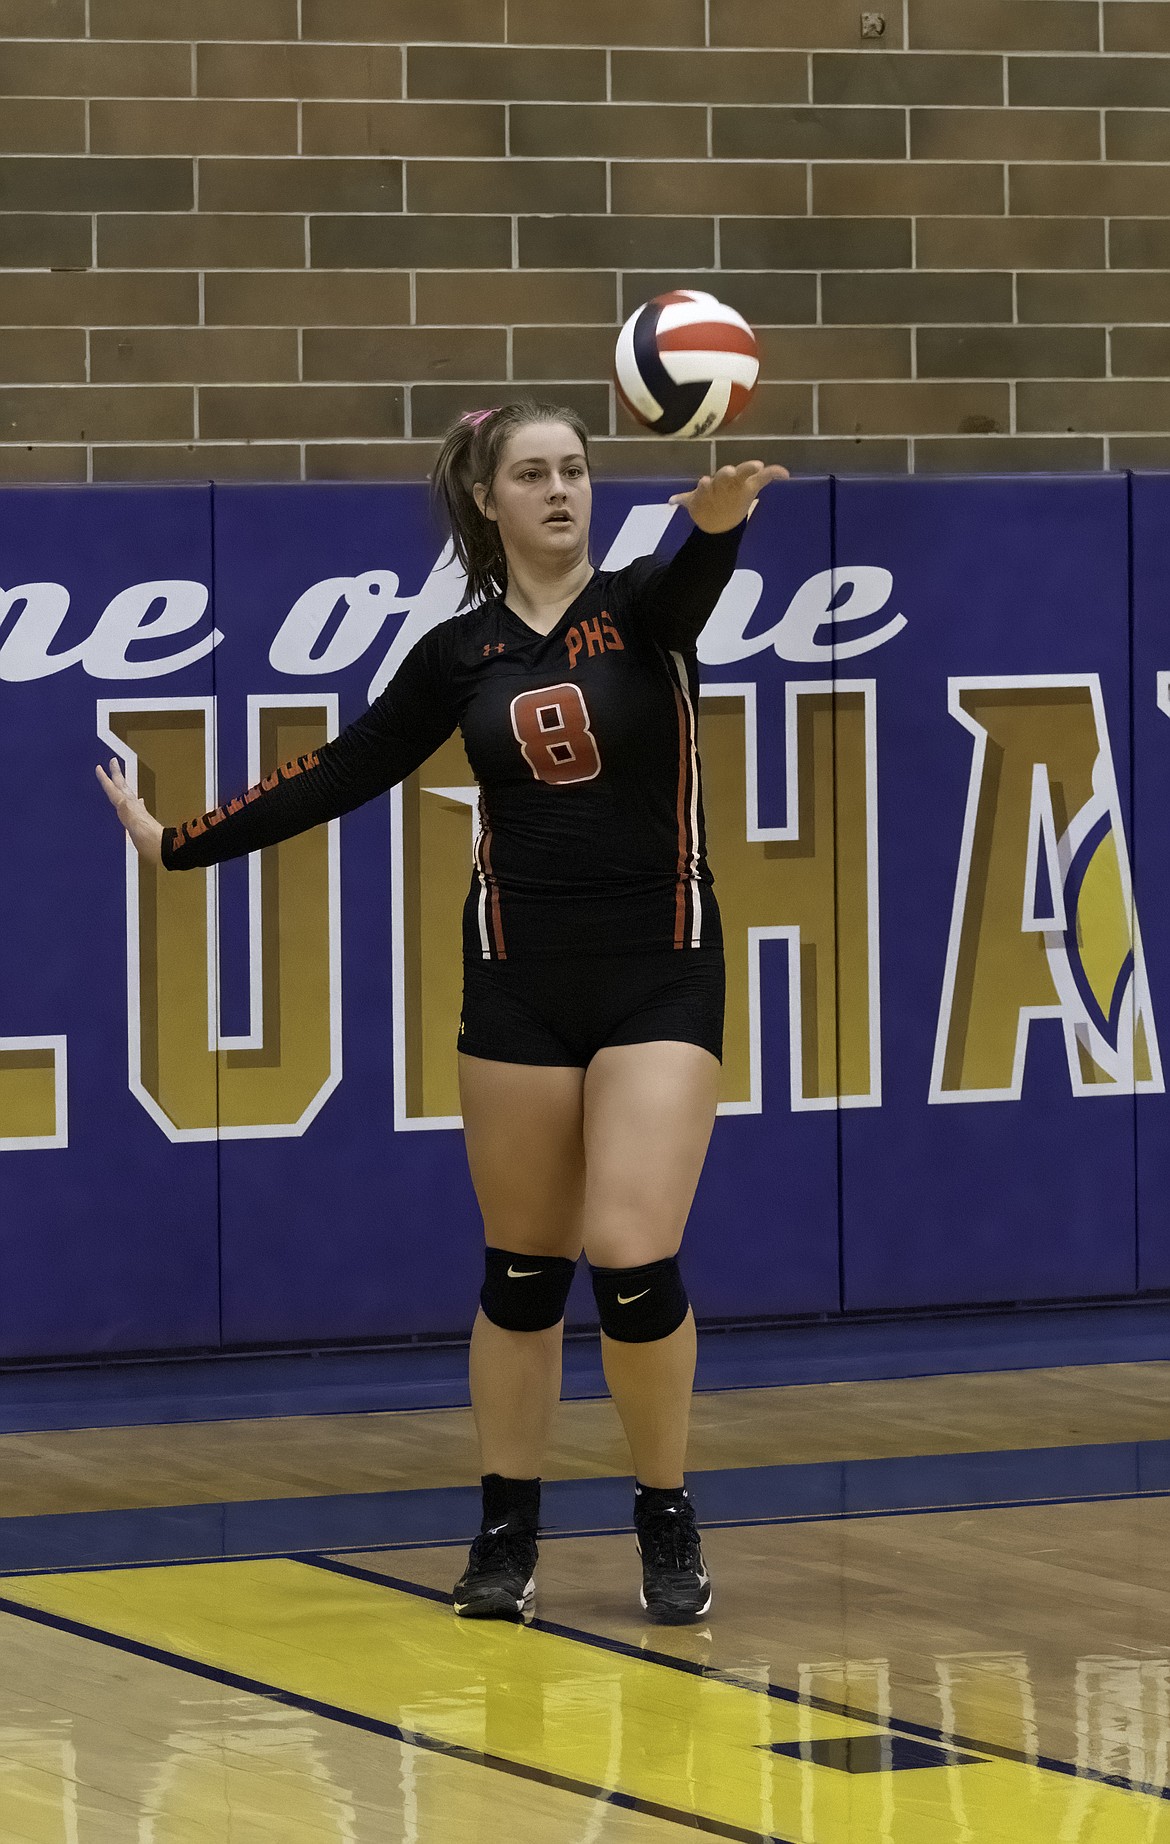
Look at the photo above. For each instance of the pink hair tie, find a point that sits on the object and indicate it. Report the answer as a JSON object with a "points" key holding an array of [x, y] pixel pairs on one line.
{"points": [[475, 417]]}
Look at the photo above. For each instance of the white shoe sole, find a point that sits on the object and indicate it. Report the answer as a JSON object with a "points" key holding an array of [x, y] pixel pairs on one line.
{"points": [[696, 1615]]}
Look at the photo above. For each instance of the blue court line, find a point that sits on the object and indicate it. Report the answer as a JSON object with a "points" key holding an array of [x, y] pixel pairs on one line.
{"points": [[422, 1518], [411, 1738], [120, 1392]]}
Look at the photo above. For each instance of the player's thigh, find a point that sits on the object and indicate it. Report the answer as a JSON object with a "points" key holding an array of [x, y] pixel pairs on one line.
{"points": [[522, 1130], [648, 1114]]}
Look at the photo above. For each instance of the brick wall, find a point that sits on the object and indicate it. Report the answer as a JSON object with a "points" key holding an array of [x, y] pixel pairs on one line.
{"points": [[290, 238]]}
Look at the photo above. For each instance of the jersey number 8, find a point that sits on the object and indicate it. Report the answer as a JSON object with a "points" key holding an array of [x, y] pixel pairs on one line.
{"points": [[552, 729]]}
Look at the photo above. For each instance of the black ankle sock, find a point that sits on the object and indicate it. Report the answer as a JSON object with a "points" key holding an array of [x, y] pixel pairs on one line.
{"points": [[650, 1498], [510, 1501]]}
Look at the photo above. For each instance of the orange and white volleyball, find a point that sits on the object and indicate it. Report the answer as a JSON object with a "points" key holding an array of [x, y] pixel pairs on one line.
{"points": [[686, 364]]}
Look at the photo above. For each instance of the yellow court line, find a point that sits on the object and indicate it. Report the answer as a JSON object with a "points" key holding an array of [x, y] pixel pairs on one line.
{"points": [[658, 1737]]}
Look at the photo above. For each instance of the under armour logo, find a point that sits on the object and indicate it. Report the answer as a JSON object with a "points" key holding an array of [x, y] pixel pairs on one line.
{"points": [[497, 647]]}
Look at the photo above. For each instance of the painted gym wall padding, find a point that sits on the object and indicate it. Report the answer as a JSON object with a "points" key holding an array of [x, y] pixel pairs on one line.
{"points": [[916, 742]]}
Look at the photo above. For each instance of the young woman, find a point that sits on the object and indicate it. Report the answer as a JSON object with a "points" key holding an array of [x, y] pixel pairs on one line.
{"points": [[591, 1031]]}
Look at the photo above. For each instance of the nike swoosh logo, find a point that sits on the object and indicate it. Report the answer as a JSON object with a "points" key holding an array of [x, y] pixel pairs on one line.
{"points": [[524, 1274], [632, 1297]]}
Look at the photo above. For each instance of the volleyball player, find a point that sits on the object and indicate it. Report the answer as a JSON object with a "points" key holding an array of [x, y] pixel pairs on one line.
{"points": [[591, 1029]]}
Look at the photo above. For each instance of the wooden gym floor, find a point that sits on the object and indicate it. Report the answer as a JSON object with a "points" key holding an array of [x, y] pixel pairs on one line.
{"points": [[941, 1616]]}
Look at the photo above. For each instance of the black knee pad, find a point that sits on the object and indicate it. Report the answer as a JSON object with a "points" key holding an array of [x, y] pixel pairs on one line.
{"points": [[525, 1293], [636, 1305]]}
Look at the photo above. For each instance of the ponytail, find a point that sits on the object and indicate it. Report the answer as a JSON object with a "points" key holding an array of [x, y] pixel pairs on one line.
{"points": [[468, 458]]}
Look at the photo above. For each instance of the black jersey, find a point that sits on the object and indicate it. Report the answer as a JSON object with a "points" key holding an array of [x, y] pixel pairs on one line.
{"points": [[583, 742]]}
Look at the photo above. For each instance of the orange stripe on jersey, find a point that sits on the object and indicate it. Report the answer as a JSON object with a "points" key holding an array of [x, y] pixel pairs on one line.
{"points": [[707, 336], [680, 900], [493, 894]]}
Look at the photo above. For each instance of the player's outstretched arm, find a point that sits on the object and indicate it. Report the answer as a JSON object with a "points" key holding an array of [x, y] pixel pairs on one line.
{"points": [[145, 831], [675, 599], [404, 725], [721, 501]]}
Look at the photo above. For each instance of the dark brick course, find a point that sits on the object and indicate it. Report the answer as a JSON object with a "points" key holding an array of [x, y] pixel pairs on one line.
{"points": [[794, 23], [42, 355], [235, 240], [34, 184], [608, 243], [191, 126], [44, 240], [404, 128], [606, 22], [92, 413], [505, 185], [300, 185], [480, 72], [298, 411], [1004, 25], [809, 134], [816, 243], [1094, 408], [680, 188], [42, 18], [1011, 352], [198, 355], [388, 241], [1140, 25], [404, 355], [969, 408], [193, 19], [1010, 243], [558, 130], [709, 76], [42, 125], [861, 79], [910, 296]]}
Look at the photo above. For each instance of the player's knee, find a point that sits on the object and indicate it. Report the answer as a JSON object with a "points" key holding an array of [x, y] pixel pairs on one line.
{"points": [[636, 1305], [525, 1293]]}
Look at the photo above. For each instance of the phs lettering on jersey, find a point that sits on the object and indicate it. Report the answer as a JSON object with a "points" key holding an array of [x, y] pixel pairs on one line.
{"points": [[597, 636]]}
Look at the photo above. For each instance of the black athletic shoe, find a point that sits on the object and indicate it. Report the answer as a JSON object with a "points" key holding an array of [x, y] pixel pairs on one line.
{"points": [[497, 1583], [675, 1585]]}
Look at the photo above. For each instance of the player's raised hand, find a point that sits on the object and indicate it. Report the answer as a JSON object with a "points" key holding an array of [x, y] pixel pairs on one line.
{"points": [[722, 500], [144, 830]]}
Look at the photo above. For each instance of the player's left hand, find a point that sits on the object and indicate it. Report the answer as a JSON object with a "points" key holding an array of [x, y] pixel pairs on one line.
{"points": [[721, 501]]}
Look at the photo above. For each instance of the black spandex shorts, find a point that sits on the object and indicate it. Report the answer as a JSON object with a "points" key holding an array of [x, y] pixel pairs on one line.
{"points": [[563, 1011]]}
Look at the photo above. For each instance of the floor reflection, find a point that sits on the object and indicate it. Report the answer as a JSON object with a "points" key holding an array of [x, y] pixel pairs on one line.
{"points": [[990, 1677]]}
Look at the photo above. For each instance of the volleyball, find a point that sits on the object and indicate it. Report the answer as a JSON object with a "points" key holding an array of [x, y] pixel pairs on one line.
{"points": [[686, 364]]}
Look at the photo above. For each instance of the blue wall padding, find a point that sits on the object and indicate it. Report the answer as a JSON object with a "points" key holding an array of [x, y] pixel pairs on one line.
{"points": [[124, 1240]]}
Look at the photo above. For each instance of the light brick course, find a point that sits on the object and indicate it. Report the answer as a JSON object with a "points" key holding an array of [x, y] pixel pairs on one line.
{"points": [[306, 229]]}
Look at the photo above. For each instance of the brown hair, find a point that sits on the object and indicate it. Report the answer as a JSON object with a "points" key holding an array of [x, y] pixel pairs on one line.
{"points": [[469, 456]]}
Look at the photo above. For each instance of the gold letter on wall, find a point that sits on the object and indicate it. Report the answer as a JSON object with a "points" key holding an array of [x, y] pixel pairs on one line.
{"points": [[195, 1082], [811, 882], [1043, 924], [434, 822], [33, 1090]]}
